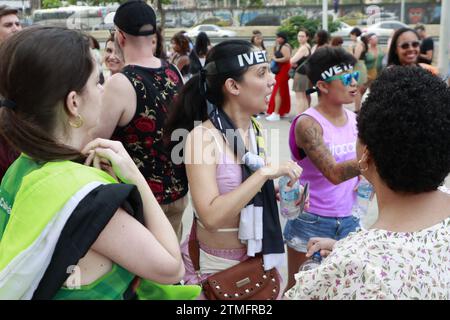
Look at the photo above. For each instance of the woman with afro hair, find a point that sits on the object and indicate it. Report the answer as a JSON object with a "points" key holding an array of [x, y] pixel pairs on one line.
{"points": [[404, 151]]}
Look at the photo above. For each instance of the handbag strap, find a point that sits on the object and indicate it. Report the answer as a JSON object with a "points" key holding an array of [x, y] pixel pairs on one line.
{"points": [[194, 246]]}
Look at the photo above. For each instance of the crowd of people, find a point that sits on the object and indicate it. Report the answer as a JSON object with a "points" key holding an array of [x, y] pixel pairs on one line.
{"points": [[100, 157], [370, 61]]}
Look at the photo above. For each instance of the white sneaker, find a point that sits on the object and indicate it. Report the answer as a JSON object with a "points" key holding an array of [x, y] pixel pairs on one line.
{"points": [[273, 117]]}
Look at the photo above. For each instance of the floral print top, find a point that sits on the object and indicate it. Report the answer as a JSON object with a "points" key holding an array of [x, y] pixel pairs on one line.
{"points": [[143, 136], [378, 264]]}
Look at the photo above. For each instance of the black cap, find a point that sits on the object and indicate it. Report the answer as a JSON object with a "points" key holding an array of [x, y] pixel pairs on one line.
{"points": [[132, 15]]}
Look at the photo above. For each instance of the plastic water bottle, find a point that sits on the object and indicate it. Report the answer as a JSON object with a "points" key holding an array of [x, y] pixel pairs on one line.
{"points": [[312, 262], [288, 197], [253, 161], [364, 195]]}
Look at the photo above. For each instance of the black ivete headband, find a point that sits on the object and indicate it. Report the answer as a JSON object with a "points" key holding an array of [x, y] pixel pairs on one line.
{"points": [[227, 65], [328, 73], [240, 61], [334, 70]]}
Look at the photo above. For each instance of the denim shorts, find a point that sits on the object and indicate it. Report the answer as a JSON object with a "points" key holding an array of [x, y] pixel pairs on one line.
{"points": [[297, 232]]}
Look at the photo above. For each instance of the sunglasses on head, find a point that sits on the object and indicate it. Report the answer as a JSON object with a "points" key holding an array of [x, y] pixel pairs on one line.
{"points": [[406, 45], [346, 78]]}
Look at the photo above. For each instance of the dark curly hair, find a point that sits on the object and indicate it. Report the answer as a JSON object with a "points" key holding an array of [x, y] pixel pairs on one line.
{"points": [[182, 41], [405, 123]]}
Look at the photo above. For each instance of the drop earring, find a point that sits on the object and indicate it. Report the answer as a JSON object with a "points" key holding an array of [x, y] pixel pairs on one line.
{"points": [[77, 123]]}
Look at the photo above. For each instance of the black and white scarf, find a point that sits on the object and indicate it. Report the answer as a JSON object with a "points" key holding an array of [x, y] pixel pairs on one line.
{"points": [[259, 225]]}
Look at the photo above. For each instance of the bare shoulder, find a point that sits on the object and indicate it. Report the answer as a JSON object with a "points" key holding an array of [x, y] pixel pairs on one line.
{"points": [[303, 50], [118, 83], [184, 58], [287, 48], [205, 132], [119, 98], [203, 145]]}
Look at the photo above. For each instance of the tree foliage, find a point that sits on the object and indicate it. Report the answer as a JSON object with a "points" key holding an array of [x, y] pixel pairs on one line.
{"points": [[255, 3], [48, 4], [292, 25]]}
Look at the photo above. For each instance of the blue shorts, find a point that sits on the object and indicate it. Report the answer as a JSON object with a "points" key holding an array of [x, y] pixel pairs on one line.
{"points": [[297, 232]]}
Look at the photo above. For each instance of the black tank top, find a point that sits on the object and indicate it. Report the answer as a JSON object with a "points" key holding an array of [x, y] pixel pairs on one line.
{"points": [[304, 58], [143, 136]]}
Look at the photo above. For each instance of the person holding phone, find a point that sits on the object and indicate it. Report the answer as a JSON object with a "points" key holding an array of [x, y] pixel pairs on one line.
{"points": [[322, 141]]}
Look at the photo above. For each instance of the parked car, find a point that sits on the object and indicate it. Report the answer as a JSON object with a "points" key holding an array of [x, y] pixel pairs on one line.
{"points": [[343, 30], [385, 28], [107, 23], [384, 16], [211, 30]]}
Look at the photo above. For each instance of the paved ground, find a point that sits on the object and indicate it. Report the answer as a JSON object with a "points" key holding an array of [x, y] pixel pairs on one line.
{"points": [[278, 144]]}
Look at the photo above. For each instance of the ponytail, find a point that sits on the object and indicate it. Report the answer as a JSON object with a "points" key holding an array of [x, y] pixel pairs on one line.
{"points": [[188, 107], [30, 139]]}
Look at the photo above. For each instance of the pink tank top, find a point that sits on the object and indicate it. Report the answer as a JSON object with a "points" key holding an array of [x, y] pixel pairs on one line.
{"points": [[327, 199], [228, 174]]}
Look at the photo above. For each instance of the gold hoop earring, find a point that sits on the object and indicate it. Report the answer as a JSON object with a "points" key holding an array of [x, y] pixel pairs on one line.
{"points": [[362, 169], [77, 123]]}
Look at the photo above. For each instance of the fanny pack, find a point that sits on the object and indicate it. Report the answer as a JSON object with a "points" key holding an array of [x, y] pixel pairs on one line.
{"points": [[245, 281]]}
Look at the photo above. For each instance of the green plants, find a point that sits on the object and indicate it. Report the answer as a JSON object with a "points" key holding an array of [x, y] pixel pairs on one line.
{"points": [[294, 24], [354, 18], [217, 21]]}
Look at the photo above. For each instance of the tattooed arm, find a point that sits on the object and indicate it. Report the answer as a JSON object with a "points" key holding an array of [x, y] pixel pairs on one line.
{"points": [[309, 137]]}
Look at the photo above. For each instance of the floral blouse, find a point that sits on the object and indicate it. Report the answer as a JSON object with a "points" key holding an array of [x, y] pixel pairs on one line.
{"points": [[378, 264]]}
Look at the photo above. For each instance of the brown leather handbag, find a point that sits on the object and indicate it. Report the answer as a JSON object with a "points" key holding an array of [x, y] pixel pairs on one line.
{"points": [[244, 281]]}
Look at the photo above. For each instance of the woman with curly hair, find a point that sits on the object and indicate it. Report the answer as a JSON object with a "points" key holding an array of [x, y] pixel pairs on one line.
{"points": [[404, 151], [180, 54]]}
